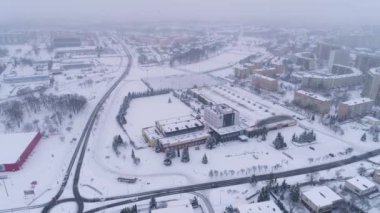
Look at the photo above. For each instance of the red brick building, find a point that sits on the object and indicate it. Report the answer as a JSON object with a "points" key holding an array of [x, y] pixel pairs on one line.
{"points": [[15, 149], [264, 82]]}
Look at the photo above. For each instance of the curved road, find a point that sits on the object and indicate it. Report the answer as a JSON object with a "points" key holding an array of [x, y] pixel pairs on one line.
{"points": [[84, 141]]}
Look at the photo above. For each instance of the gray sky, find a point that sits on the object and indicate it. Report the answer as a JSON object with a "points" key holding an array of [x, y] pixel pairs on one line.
{"points": [[269, 11]]}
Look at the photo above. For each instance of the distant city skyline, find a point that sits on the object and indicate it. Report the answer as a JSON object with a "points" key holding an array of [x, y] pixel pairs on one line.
{"points": [[291, 12]]}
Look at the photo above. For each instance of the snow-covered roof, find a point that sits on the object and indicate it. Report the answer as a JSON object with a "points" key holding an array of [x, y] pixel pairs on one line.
{"points": [[222, 109], [264, 207], [263, 77], [361, 183], [184, 138], [321, 196], [357, 101], [313, 95], [305, 55], [179, 123], [73, 49], [375, 71], [228, 129], [13, 145], [323, 75]]}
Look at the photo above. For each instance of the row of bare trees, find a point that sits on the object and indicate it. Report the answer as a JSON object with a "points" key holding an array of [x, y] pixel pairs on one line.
{"points": [[14, 111]]}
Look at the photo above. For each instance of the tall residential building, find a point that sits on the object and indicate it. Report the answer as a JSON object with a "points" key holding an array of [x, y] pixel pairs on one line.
{"points": [[339, 57], [365, 62], [324, 50], [373, 90], [306, 60], [221, 115]]}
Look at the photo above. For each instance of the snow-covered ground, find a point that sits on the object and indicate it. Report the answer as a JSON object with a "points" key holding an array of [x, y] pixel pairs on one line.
{"points": [[49, 160]]}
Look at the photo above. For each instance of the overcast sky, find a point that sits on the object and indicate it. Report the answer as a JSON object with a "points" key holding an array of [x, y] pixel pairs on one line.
{"points": [[334, 12]]}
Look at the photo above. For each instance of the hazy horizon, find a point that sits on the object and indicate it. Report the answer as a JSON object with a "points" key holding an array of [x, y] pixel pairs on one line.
{"points": [[291, 12]]}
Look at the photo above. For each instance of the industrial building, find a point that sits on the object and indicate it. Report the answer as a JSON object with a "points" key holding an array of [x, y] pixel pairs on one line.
{"points": [[25, 74], [15, 149], [175, 133], [66, 42], [354, 108], [312, 101], [179, 125], [320, 199], [360, 185]]}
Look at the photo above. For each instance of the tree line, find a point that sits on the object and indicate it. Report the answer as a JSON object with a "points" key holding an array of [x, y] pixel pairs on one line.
{"points": [[14, 111], [196, 54]]}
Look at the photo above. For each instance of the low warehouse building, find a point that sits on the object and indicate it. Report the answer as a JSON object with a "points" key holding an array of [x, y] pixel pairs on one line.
{"points": [[320, 199], [15, 149], [360, 185]]}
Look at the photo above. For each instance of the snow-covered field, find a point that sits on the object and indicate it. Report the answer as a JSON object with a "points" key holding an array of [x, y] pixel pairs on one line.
{"points": [[183, 81]]}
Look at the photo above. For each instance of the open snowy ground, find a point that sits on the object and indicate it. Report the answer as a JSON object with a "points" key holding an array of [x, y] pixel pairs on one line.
{"points": [[244, 48], [183, 81], [49, 160]]}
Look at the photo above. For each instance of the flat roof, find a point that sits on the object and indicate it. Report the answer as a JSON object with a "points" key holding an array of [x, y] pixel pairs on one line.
{"points": [[264, 207], [13, 145], [263, 77], [322, 196], [179, 123], [313, 95], [184, 138], [361, 183], [228, 129], [357, 101], [222, 109], [152, 132]]}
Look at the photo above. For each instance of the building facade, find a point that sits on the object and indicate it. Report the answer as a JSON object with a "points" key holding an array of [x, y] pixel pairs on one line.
{"points": [[312, 101], [264, 82], [30, 142], [340, 76], [306, 60], [360, 185], [320, 199], [221, 115], [354, 108], [373, 90]]}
